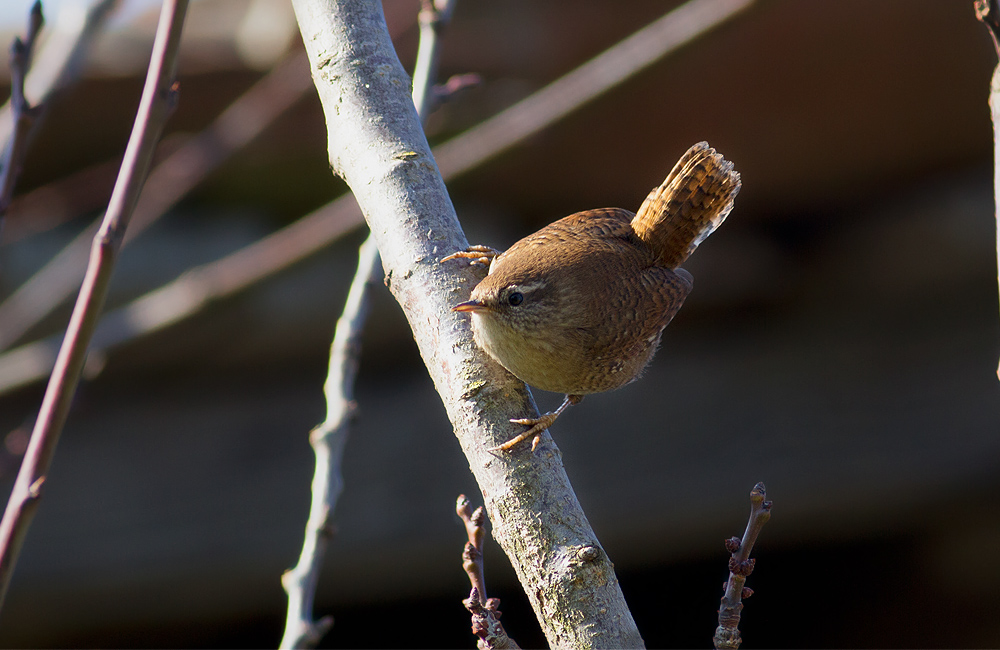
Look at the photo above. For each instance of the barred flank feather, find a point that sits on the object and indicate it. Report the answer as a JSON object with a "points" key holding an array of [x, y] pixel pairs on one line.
{"points": [[692, 202]]}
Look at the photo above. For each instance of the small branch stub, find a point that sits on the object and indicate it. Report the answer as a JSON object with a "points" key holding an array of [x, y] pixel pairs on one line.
{"points": [[741, 565], [486, 623], [485, 611], [988, 11], [456, 84], [472, 556]]}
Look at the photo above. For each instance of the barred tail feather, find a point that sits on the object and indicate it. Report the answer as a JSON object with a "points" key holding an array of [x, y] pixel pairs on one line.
{"points": [[692, 202]]}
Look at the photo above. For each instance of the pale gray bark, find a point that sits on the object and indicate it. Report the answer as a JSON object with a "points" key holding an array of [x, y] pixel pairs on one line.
{"points": [[377, 145]]}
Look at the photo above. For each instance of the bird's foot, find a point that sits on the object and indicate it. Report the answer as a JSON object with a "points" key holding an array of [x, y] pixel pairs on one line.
{"points": [[538, 425], [477, 254]]}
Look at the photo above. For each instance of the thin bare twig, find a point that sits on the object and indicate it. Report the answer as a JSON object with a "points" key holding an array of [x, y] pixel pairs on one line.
{"points": [[159, 98], [59, 62], [727, 634], [328, 438], [485, 611], [327, 441], [23, 112], [988, 11], [472, 556], [433, 18], [188, 294], [192, 291], [56, 65], [169, 182]]}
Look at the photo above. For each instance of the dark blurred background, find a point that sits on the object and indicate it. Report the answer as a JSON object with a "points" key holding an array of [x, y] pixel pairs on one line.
{"points": [[840, 344]]}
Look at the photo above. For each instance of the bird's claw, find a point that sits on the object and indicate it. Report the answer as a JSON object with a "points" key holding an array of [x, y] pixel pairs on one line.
{"points": [[477, 254], [537, 427]]}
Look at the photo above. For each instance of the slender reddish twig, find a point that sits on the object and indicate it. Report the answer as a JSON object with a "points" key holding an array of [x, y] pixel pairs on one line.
{"points": [[159, 98], [727, 634]]}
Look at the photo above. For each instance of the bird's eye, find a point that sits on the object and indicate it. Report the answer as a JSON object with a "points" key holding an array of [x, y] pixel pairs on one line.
{"points": [[515, 299]]}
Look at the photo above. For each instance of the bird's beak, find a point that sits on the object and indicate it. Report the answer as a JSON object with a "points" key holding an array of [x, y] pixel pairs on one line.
{"points": [[471, 305]]}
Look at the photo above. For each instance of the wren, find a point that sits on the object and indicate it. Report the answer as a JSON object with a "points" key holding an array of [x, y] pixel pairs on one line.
{"points": [[579, 306]]}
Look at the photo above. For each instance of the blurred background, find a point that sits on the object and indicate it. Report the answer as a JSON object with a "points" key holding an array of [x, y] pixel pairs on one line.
{"points": [[840, 344]]}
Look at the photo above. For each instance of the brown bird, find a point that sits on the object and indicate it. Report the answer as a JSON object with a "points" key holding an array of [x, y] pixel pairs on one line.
{"points": [[579, 306]]}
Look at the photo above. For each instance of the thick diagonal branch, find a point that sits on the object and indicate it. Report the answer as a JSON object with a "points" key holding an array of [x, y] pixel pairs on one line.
{"points": [[329, 437], [377, 145]]}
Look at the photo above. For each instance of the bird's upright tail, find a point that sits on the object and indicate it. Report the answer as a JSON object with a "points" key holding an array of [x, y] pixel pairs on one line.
{"points": [[692, 202]]}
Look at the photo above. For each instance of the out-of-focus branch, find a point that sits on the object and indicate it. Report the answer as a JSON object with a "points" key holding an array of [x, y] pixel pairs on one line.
{"points": [[433, 18], [60, 59], [158, 101], [198, 287], [485, 611], [988, 11], [23, 113], [727, 634], [595, 77], [192, 291], [55, 66], [327, 441], [173, 178], [85, 190], [328, 438]]}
